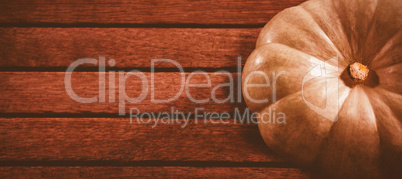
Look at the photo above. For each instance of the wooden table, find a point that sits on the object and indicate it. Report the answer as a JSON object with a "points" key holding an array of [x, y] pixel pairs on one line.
{"points": [[45, 133]]}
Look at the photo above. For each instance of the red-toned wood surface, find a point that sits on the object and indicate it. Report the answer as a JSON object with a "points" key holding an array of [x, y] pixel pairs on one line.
{"points": [[129, 47], [44, 133], [142, 11], [45, 92], [151, 172], [115, 139]]}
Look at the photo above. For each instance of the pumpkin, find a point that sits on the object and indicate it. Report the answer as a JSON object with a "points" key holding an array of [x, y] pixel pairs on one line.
{"points": [[333, 67]]}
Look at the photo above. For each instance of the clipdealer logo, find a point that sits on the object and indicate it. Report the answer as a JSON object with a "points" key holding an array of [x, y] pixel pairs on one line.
{"points": [[147, 92]]}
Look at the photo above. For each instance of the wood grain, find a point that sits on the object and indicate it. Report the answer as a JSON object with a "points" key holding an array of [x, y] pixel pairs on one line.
{"points": [[45, 93], [129, 47], [142, 11], [150, 172], [44, 133], [115, 139]]}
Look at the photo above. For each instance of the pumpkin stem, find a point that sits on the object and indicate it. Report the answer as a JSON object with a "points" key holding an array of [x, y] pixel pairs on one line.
{"points": [[358, 71]]}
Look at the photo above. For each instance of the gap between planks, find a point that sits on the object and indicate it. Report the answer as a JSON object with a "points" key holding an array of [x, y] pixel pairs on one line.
{"points": [[45, 93], [204, 12], [54, 49], [116, 141], [106, 172]]}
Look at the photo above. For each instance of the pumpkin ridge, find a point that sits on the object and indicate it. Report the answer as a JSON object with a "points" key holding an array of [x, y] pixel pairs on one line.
{"points": [[363, 140], [325, 35], [385, 25], [386, 127], [356, 36], [278, 43], [392, 92], [370, 28], [317, 37], [343, 29], [393, 110], [279, 50], [316, 159], [386, 47], [333, 140], [387, 100], [390, 78], [301, 160], [368, 91]]}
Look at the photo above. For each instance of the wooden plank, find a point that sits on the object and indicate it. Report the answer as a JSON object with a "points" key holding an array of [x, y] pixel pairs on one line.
{"points": [[124, 172], [142, 11], [115, 139], [45, 93], [129, 47]]}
